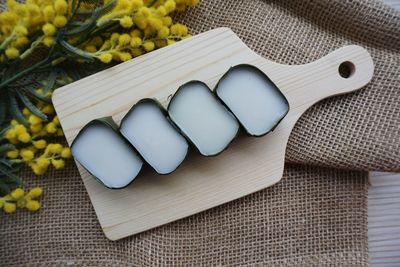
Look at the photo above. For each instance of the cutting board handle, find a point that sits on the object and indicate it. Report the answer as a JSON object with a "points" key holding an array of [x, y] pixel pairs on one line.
{"points": [[344, 70]]}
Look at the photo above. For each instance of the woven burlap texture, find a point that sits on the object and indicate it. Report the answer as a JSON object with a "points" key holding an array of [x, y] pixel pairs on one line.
{"points": [[357, 131], [313, 217]]}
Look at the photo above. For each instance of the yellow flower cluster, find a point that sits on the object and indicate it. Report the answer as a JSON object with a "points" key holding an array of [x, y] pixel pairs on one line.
{"points": [[144, 28], [33, 150], [18, 199], [21, 20]]}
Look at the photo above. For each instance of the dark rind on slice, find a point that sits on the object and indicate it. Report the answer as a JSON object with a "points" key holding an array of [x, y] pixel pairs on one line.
{"points": [[165, 113], [108, 122], [184, 134], [269, 80]]}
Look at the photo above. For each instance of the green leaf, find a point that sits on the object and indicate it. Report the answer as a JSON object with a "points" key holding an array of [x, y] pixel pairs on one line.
{"points": [[79, 23], [16, 112], [91, 2], [4, 188], [33, 93], [75, 51], [90, 23], [3, 109], [81, 28], [51, 81], [6, 162], [3, 131], [101, 11], [5, 148], [32, 108], [9, 178]]}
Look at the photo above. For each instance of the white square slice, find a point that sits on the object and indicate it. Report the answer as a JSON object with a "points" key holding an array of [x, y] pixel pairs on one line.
{"points": [[106, 155], [202, 118], [253, 98], [158, 142]]}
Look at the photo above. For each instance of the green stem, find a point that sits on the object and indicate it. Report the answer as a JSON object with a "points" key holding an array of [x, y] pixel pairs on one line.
{"points": [[57, 61], [22, 73], [8, 40], [32, 48]]}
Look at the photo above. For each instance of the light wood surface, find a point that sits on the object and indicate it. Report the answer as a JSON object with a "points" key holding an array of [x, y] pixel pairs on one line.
{"points": [[247, 166], [384, 219]]}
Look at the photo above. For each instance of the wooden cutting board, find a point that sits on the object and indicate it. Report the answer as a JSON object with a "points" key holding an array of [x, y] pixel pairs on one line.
{"points": [[248, 165]]}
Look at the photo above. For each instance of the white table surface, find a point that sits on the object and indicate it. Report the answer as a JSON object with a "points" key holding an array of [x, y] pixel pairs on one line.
{"points": [[384, 219]]}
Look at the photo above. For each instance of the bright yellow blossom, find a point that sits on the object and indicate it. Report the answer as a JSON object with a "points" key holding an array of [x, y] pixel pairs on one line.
{"points": [[12, 52], [60, 21], [21, 41], [33, 119], [18, 198], [136, 42], [33, 205], [124, 56], [60, 6], [167, 20], [170, 6], [105, 57], [49, 41], [21, 30], [35, 192], [27, 155], [58, 163], [148, 46], [163, 32], [49, 29], [56, 121], [55, 148], [33, 9], [66, 153], [36, 127], [51, 127], [43, 163], [9, 207], [179, 29], [12, 154], [48, 109], [170, 42], [124, 39], [40, 144], [126, 22], [17, 193], [49, 13], [136, 33], [20, 129], [26, 112], [24, 137]]}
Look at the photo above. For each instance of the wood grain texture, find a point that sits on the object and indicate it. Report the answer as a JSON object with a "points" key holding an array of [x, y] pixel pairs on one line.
{"points": [[384, 219], [247, 166]]}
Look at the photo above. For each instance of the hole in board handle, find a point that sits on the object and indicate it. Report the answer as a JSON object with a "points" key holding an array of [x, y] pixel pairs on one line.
{"points": [[346, 69]]}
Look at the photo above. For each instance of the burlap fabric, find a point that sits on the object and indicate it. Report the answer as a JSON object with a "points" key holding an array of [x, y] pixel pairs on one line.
{"points": [[357, 131], [315, 216]]}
